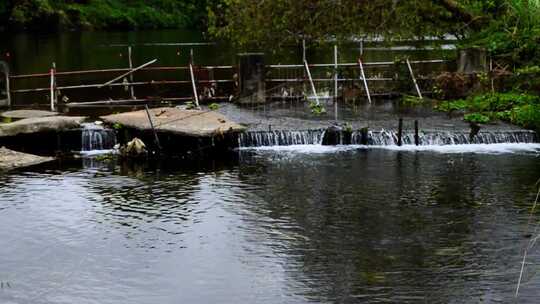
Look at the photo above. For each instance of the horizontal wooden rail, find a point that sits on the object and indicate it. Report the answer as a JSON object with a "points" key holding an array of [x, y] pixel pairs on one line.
{"points": [[69, 73], [381, 63], [131, 101], [325, 79], [217, 67], [88, 86]]}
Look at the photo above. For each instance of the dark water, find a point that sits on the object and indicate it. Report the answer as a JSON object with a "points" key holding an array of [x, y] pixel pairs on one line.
{"points": [[28, 53], [328, 226]]}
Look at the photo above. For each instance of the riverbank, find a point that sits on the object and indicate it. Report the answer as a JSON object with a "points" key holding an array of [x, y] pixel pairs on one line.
{"points": [[47, 15]]}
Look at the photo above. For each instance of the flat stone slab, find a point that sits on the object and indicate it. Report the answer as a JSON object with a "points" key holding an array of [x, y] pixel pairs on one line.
{"points": [[41, 124], [21, 114], [10, 159], [195, 123]]}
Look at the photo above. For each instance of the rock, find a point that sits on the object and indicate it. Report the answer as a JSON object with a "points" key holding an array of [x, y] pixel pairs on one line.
{"points": [[10, 159], [337, 135], [41, 124], [194, 123], [134, 148], [21, 114]]}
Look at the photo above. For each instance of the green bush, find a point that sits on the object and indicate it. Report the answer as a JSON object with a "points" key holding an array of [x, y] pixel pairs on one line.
{"points": [[527, 116], [477, 118], [518, 108]]}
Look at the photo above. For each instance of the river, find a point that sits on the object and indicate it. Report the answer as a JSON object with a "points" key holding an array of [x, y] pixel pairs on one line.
{"points": [[291, 225]]}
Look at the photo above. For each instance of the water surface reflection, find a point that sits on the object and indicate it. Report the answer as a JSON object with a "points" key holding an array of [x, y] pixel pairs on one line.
{"points": [[274, 227]]}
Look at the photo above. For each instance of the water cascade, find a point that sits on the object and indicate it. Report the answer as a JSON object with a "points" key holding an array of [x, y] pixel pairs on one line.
{"points": [[385, 138], [280, 138], [96, 137]]}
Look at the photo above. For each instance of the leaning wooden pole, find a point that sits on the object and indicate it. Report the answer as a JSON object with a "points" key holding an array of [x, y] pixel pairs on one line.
{"points": [[414, 80], [361, 65], [193, 86], [156, 138], [128, 73], [311, 82]]}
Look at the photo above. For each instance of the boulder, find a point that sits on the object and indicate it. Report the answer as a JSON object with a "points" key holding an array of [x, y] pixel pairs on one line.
{"points": [[41, 124], [134, 148], [10, 159], [337, 135]]}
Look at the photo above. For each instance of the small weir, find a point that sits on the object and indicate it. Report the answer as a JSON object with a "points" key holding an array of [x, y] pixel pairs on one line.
{"points": [[97, 138], [384, 138], [280, 138]]}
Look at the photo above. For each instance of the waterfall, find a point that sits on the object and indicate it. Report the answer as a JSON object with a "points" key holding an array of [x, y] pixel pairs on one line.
{"points": [[439, 138], [96, 137], [280, 138], [385, 138]]}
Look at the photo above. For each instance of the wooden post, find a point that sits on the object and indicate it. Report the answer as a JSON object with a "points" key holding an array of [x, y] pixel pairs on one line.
{"points": [[364, 136], [416, 136], [400, 132], [131, 87], [364, 79], [156, 138], [52, 87], [335, 82], [491, 75], [304, 50], [4, 68], [193, 86], [414, 79], [311, 82]]}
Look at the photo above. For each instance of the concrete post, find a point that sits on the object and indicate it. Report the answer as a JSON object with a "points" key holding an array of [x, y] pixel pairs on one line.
{"points": [[5, 96], [251, 78], [472, 60]]}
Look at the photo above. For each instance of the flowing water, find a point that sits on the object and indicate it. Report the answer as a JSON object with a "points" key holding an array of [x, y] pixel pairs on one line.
{"points": [[385, 138], [288, 221], [296, 224], [96, 138]]}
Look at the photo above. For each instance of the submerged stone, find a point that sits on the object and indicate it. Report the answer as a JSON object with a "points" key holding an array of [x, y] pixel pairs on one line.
{"points": [[10, 159], [134, 148], [41, 124]]}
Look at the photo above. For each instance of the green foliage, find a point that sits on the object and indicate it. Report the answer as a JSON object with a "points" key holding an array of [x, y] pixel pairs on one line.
{"points": [[412, 101], [281, 22], [101, 14], [213, 106], [117, 126], [190, 105], [316, 108], [451, 106], [512, 32], [527, 79], [527, 116], [518, 108], [476, 117]]}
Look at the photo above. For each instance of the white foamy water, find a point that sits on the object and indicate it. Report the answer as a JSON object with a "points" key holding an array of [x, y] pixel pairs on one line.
{"points": [[98, 152], [465, 148]]}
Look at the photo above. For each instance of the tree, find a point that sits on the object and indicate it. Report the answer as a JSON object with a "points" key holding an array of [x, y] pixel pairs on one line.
{"points": [[259, 22]]}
